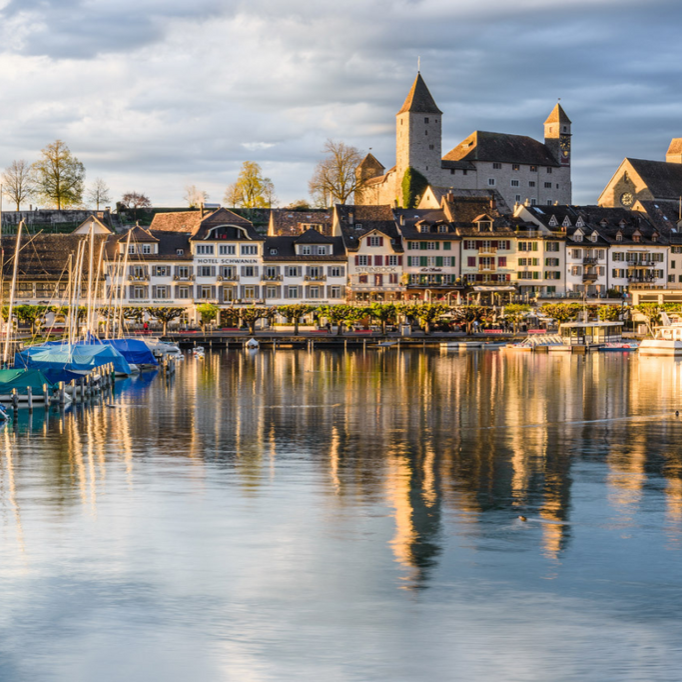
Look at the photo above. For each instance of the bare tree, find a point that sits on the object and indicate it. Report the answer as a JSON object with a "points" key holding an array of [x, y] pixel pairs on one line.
{"points": [[17, 182], [194, 196], [135, 200], [98, 193], [335, 179], [59, 176]]}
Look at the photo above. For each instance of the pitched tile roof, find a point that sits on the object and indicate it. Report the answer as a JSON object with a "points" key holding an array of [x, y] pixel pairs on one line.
{"points": [[503, 148], [286, 250], [664, 180], [356, 221], [181, 221], [419, 99], [290, 222], [313, 237], [223, 217], [137, 233]]}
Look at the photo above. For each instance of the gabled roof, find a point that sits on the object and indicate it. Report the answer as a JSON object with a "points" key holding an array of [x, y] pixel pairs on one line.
{"points": [[224, 217], [313, 237], [287, 222], [664, 180], [286, 251], [180, 221], [370, 161], [137, 234], [419, 99], [369, 218], [503, 148], [558, 115]]}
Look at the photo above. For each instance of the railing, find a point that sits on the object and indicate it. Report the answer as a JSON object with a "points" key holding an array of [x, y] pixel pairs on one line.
{"points": [[228, 278], [315, 278], [590, 261], [642, 279], [182, 278], [486, 268], [487, 249], [641, 263], [590, 276], [272, 278], [138, 278]]}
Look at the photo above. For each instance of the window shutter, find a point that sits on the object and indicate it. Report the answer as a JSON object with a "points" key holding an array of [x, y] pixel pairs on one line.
{"points": [[439, 261], [131, 291], [502, 261], [378, 260], [437, 246], [422, 261], [307, 271], [212, 270], [422, 246], [286, 291], [601, 269], [447, 246], [400, 260], [471, 261], [243, 270], [357, 260], [153, 291]]}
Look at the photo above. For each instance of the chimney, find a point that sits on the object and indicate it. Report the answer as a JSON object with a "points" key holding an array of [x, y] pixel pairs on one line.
{"points": [[674, 154], [351, 218], [402, 220]]}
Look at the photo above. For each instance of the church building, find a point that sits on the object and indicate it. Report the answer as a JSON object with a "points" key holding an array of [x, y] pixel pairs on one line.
{"points": [[521, 169]]}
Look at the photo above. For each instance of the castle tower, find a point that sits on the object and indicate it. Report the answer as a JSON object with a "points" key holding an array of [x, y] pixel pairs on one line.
{"points": [[558, 135], [418, 133]]}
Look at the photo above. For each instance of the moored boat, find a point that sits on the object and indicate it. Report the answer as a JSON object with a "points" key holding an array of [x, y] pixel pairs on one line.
{"points": [[667, 339]]}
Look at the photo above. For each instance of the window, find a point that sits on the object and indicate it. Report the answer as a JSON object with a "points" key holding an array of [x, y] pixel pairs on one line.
{"points": [[515, 183], [533, 202], [533, 169], [491, 182], [452, 171], [557, 186], [516, 166], [228, 294], [334, 292], [531, 183], [292, 271], [227, 249], [393, 279], [552, 246], [270, 272], [431, 146], [672, 264], [146, 248], [552, 262], [618, 256], [375, 241], [552, 274], [337, 271], [204, 271], [549, 170], [549, 202], [433, 246], [249, 293], [183, 292], [321, 250], [204, 249], [179, 252], [517, 198], [139, 292], [412, 246], [131, 248], [249, 271], [315, 272], [363, 260], [306, 250], [391, 260], [548, 185], [314, 292], [161, 270], [442, 228], [671, 278], [426, 120], [183, 272], [270, 292], [676, 249], [249, 250], [205, 292], [497, 166]]}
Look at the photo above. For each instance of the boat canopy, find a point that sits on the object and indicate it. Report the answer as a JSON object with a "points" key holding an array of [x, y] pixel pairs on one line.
{"points": [[22, 379], [135, 351], [63, 361]]}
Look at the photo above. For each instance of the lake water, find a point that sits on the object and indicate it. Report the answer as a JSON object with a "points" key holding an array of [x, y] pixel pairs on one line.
{"points": [[319, 516]]}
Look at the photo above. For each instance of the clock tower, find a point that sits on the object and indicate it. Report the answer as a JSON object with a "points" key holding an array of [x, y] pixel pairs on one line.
{"points": [[558, 135]]}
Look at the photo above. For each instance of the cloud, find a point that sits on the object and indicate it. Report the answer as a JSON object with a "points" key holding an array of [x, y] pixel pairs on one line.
{"points": [[154, 94]]}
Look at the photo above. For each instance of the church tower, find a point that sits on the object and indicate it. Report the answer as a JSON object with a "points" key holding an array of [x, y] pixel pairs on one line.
{"points": [[418, 133], [558, 135]]}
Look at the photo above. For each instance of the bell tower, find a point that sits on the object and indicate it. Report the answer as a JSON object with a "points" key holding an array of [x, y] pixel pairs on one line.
{"points": [[418, 133], [558, 135]]}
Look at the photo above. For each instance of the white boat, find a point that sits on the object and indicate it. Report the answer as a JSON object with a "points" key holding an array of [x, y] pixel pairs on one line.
{"points": [[252, 344], [667, 339], [4, 416], [164, 349], [199, 352]]}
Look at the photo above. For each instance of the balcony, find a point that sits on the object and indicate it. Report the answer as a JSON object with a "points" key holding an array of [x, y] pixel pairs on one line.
{"points": [[138, 278], [640, 279], [590, 261], [315, 278], [487, 249], [183, 278], [487, 268], [273, 278], [590, 277], [641, 263], [228, 278]]}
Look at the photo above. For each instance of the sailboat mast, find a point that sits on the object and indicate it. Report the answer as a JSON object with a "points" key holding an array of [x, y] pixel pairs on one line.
{"points": [[123, 276], [96, 287], [91, 263], [11, 296]]}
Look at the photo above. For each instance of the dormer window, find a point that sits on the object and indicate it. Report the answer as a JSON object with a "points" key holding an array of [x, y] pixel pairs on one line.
{"points": [[637, 237], [273, 252], [566, 222], [442, 228], [578, 237], [580, 223], [424, 229], [654, 237], [306, 250], [619, 236], [553, 222], [594, 236], [485, 226], [358, 226], [375, 241]]}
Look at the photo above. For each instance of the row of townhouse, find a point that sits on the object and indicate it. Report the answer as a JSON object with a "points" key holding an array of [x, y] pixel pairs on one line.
{"points": [[360, 253]]}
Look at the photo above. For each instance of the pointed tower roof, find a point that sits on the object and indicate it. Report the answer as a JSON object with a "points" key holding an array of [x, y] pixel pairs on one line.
{"points": [[419, 99], [558, 115]]}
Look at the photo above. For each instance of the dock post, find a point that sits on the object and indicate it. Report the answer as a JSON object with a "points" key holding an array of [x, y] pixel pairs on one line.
{"points": [[364, 346], [62, 394], [15, 403], [345, 345], [29, 397], [46, 396]]}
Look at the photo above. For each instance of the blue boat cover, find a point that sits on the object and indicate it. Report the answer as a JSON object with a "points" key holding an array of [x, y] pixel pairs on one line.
{"points": [[58, 360], [135, 351], [21, 379]]}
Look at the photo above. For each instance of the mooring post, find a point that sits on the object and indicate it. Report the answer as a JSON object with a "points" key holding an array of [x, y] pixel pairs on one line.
{"points": [[15, 402], [62, 394], [46, 396], [29, 397]]}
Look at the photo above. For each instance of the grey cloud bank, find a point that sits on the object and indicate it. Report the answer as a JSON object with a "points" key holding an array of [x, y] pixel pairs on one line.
{"points": [[153, 95]]}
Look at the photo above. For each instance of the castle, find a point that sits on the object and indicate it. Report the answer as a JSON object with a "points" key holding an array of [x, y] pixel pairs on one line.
{"points": [[519, 168]]}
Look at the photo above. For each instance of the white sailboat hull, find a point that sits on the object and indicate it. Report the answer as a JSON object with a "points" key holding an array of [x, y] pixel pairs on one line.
{"points": [[660, 347]]}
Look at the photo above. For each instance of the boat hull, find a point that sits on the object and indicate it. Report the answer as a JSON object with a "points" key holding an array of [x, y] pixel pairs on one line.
{"points": [[661, 347]]}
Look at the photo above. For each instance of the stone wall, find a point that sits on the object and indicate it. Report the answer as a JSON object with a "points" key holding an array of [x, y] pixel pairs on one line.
{"points": [[49, 217]]}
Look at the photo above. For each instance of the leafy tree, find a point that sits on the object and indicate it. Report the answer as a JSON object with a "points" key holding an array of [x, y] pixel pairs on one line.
{"points": [[231, 314], [98, 193], [382, 313], [207, 313], [18, 184], [561, 312], [414, 185], [651, 313], [194, 196], [134, 313], [252, 314], [299, 205], [165, 314], [428, 313], [609, 313], [30, 314], [59, 176], [294, 312], [515, 313], [251, 190], [335, 178], [468, 314], [336, 315]]}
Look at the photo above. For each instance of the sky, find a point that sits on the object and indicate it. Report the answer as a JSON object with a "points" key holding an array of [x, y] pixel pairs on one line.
{"points": [[155, 95]]}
